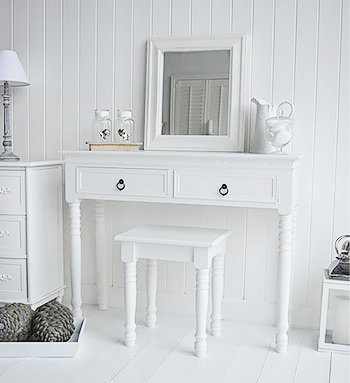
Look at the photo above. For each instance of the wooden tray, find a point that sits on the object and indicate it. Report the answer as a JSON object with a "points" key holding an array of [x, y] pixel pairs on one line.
{"points": [[45, 349], [114, 146]]}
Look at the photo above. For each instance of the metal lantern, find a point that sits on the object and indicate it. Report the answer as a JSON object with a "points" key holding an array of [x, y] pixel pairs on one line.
{"points": [[340, 268]]}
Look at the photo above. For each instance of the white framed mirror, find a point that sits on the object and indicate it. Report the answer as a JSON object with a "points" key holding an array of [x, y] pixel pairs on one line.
{"points": [[196, 94]]}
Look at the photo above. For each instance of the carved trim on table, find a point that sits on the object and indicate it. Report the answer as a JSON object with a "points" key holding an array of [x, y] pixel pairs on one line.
{"points": [[155, 159]]}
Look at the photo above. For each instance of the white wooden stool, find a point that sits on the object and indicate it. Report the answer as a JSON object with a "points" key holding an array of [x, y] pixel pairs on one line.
{"points": [[204, 247]]}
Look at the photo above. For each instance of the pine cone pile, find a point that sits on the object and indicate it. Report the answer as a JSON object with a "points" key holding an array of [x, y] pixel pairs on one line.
{"points": [[52, 322], [15, 322]]}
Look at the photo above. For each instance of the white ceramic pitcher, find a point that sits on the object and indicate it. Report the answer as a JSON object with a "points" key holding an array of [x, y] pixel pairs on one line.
{"points": [[263, 112]]}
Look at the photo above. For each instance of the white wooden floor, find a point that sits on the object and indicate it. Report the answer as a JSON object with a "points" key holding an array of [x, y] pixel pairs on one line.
{"points": [[243, 354]]}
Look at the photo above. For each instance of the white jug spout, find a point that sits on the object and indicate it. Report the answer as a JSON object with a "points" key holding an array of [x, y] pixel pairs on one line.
{"points": [[259, 102]]}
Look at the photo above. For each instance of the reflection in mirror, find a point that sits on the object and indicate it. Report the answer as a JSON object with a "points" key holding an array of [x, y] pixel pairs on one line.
{"points": [[195, 93]]}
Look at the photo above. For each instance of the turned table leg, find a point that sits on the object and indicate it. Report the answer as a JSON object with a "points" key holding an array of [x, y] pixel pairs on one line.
{"points": [[101, 255], [284, 274], [75, 256]]}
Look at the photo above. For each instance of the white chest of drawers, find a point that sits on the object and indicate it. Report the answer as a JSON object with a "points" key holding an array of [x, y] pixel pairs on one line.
{"points": [[207, 178], [31, 247]]}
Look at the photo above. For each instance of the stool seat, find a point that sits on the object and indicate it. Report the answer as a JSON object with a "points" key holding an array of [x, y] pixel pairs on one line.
{"points": [[203, 247], [174, 235]]}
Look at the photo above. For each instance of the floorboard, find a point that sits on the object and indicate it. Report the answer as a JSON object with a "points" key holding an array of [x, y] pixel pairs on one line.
{"points": [[244, 353]]}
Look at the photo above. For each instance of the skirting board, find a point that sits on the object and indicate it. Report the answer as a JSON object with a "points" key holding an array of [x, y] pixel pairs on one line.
{"points": [[255, 312]]}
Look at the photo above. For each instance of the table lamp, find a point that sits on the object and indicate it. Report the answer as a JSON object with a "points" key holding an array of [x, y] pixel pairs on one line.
{"points": [[11, 74]]}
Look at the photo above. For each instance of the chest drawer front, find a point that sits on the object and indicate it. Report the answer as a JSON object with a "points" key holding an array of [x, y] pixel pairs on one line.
{"points": [[123, 182], [12, 235], [13, 279], [12, 191], [201, 184]]}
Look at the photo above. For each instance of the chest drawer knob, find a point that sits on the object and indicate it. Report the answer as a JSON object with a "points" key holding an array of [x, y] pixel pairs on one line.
{"points": [[223, 190], [5, 190], [5, 277], [121, 185], [5, 233]]}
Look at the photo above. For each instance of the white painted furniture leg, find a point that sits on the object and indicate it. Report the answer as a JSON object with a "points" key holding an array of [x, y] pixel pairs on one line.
{"points": [[284, 274], [75, 256], [202, 287], [151, 279], [217, 294], [130, 303], [101, 284]]}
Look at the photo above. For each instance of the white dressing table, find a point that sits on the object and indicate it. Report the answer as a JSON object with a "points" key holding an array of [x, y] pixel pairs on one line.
{"points": [[204, 178]]}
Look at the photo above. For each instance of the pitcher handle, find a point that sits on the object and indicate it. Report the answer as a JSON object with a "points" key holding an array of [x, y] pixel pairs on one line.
{"points": [[280, 110]]}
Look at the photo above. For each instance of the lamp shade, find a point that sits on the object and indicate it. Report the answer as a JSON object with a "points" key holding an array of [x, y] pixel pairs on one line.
{"points": [[11, 69]]}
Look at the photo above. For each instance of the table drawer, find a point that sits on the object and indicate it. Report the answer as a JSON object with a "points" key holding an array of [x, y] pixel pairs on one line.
{"points": [[12, 236], [114, 182], [13, 279], [242, 186], [12, 191]]}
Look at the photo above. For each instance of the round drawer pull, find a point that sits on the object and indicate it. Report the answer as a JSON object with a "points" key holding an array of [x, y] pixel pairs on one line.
{"points": [[120, 185], [223, 190]]}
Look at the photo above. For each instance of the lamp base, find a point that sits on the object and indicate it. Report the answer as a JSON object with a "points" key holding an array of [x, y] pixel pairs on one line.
{"points": [[8, 156]]}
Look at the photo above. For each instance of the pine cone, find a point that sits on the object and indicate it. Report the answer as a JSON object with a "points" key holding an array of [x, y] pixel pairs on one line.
{"points": [[15, 322], [52, 322]]}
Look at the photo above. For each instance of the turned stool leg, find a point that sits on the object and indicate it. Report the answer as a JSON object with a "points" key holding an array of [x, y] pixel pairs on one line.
{"points": [[151, 281], [217, 294], [130, 303], [202, 287]]}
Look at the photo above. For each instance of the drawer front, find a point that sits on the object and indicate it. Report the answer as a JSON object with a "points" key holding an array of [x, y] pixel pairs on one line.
{"points": [[121, 183], [13, 279], [202, 184], [12, 192], [12, 236]]}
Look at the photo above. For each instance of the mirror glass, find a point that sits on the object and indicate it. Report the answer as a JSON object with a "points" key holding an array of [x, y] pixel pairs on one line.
{"points": [[195, 93]]}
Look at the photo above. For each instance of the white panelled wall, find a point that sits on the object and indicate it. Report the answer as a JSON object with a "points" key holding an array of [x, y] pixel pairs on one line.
{"points": [[86, 54]]}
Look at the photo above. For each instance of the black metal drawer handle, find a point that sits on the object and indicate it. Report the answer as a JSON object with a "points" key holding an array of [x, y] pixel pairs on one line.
{"points": [[120, 185], [223, 190]]}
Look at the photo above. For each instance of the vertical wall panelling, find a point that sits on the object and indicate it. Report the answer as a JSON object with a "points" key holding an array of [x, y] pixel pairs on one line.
{"points": [[6, 24], [181, 17], [256, 246], [304, 133], [176, 271], [235, 256], [284, 37], [262, 62], [341, 218], [325, 145], [37, 77], [124, 55], [70, 72], [201, 17], [87, 69], [20, 105], [142, 31], [221, 17], [53, 112], [105, 55], [5, 39], [161, 18]]}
